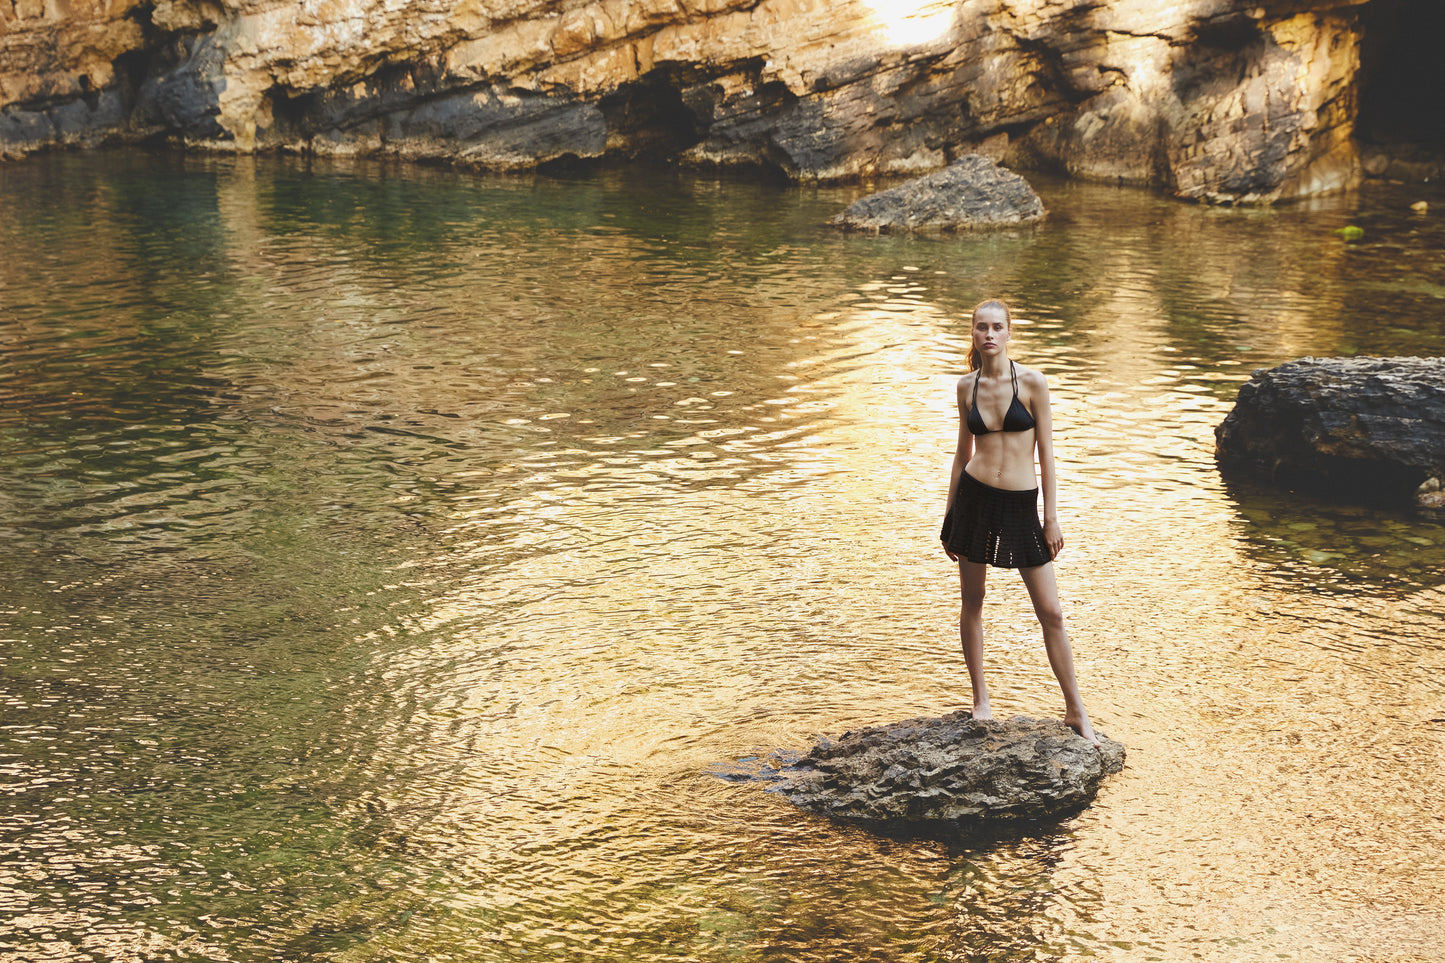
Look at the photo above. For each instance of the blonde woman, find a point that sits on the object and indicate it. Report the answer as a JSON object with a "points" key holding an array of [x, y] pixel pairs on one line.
{"points": [[992, 515]]}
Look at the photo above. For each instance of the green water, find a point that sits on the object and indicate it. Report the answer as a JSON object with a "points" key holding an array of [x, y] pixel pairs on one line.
{"points": [[392, 552]]}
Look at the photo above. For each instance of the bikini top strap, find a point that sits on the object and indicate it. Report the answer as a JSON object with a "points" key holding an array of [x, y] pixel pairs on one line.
{"points": [[978, 374], [1015, 370]]}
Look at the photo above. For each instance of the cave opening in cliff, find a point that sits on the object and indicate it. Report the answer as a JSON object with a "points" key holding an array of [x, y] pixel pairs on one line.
{"points": [[1402, 76], [651, 121]]}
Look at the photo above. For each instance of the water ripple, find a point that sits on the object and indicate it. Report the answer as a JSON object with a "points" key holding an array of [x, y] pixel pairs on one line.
{"points": [[392, 552]]}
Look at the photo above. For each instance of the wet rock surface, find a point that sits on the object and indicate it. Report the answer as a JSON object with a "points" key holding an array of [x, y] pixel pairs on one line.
{"points": [[971, 193], [949, 771], [1363, 428]]}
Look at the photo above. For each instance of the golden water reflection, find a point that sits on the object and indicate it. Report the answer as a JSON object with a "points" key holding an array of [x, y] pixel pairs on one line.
{"points": [[419, 576]]}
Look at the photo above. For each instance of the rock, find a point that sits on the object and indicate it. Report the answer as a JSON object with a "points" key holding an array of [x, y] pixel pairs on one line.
{"points": [[951, 771], [1375, 161], [1366, 428], [972, 192], [1229, 101], [1403, 161], [186, 99]]}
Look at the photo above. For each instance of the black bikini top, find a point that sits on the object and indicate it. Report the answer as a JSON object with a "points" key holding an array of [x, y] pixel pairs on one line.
{"points": [[1017, 418]]}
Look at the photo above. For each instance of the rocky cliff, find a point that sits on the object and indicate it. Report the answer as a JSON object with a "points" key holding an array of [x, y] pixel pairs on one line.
{"points": [[1222, 100]]}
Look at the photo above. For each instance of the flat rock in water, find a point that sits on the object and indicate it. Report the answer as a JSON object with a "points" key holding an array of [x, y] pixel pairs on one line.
{"points": [[973, 192], [1369, 427], [950, 770]]}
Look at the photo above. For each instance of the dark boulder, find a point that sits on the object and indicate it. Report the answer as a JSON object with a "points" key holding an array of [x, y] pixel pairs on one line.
{"points": [[950, 771], [973, 192], [1364, 428]]}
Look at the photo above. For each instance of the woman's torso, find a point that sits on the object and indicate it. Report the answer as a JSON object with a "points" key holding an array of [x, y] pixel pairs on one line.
{"points": [[1003, 459]]}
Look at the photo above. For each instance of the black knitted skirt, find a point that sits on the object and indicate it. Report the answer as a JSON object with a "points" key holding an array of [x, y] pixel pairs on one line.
{"points": [[995, 526]]}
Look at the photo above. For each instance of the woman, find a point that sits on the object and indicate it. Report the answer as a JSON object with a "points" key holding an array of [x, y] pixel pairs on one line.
{"points": [[992, 516]]}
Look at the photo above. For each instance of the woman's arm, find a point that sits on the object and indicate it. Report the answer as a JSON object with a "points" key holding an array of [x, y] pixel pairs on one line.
{"points": [[1044, 439], [962, 452]]}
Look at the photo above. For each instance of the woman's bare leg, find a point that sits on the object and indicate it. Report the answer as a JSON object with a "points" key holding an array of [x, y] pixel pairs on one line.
{"points": [[1043, 589], [971, 578]]}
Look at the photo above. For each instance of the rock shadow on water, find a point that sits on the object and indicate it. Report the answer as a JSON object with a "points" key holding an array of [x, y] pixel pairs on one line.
{"points": [[947, 776], [1369, 545]]}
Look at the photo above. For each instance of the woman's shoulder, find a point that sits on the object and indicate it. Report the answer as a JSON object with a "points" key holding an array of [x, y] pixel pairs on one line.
{"points": [[1032, 377]]}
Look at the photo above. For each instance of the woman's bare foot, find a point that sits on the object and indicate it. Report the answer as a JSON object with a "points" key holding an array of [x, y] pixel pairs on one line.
{"points": [[981, 711], [1081, 725]]}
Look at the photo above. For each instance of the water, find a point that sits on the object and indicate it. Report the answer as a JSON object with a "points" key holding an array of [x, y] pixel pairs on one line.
{"points": [[392, 551]]}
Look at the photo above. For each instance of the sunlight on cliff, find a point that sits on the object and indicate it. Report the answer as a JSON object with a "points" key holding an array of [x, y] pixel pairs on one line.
{"points": [[910, 22]]}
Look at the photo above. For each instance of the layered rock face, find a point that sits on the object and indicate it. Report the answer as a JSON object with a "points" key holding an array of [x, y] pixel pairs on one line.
{"points": [[1220, 100]]}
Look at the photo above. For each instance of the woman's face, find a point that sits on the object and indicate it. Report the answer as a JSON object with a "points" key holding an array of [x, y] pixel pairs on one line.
{"points": [[990, 330]]}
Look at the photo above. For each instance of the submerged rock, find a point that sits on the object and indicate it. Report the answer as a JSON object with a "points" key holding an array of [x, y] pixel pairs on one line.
{"points": [[1368, 428], [972, 192], [950, 770]]}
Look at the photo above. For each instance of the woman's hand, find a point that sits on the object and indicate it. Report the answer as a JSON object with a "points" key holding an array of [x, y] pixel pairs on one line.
{"points": [[1053, 538], [951, 556]]}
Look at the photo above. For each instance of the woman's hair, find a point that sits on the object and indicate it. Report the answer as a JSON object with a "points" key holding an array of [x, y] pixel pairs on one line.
{"points": [[975, 360]]}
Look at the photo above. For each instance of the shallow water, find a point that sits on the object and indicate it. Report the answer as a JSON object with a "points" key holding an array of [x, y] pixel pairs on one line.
{"points": [[393, 551]]}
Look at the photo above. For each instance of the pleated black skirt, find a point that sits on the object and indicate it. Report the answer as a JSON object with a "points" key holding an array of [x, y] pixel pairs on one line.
{"points": [[995, 526]]}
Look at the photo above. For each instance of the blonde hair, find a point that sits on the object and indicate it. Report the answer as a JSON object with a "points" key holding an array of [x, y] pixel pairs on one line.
{"points": [[975, 360]]}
